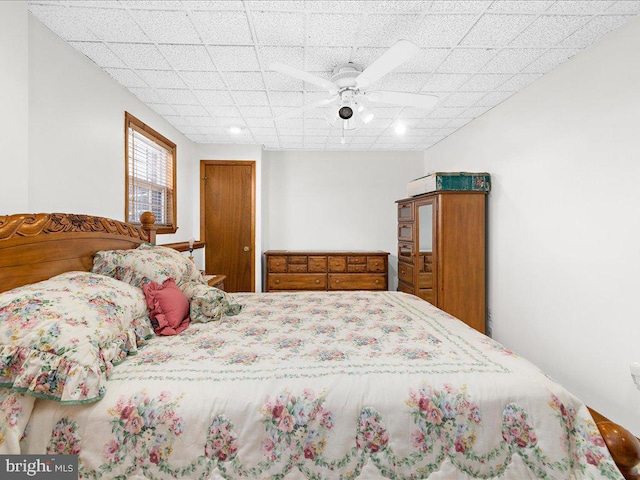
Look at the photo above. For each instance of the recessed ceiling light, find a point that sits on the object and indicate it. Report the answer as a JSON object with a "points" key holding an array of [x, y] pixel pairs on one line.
{"points": [[235, 130], [401, 129]]}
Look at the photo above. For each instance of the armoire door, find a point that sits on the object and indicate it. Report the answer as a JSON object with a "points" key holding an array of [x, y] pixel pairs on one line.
{"points": [[227, 221]]}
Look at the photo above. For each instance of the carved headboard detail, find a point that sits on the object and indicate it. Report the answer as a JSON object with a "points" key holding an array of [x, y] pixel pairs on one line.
{"points": [[35, 247]]}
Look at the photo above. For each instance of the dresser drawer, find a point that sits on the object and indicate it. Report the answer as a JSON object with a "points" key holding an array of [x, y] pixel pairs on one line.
{"points": [[357, 281], [376, 264], [297, 281], [360, 260], [277, 264], [406, 251], [425, 280], [405, 232], [405, 288], [405, 273], [338, 264], [357, 268], [317, 264], [405, 212], [298, 259], [297, 267]]}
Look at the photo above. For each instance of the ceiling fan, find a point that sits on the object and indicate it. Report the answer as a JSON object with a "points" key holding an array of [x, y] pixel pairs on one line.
{"points": [[349, 87]]}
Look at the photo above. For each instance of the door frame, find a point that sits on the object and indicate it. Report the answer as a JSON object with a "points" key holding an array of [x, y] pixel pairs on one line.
{"points": [[252, 164]]}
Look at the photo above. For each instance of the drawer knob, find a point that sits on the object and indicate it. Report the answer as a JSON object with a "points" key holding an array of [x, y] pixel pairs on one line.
{"points": [[377, 282], [277, 281], [317, 281], [337, 281]]}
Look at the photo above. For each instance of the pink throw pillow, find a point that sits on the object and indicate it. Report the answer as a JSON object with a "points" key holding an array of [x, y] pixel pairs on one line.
{"points": [[169, 307]]}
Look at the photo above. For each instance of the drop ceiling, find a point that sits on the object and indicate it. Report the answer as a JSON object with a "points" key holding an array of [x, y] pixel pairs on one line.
{"points": [[204, 65]]}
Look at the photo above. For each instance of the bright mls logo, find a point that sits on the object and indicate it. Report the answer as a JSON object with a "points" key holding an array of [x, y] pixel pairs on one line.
{"points": [[58, 467]]}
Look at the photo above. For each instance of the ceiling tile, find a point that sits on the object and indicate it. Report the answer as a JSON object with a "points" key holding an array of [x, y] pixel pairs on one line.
{"points": [[493, 98], [111, 25], [147, 95], [383, 30], [203, 80], [58, 19], [187, 57], [276, 5], [279, 28], [630, 7], [549, 30], [286, 99], [244, 80], [444, 112], [177, 96], [332, 29], [550, 59], [579, 7], [443, 30], [126, 77], [99, 53], [163, 26], [250, 97], [280, 81], [151, 4], [496, 30], [292, 56], [191, 110], [260, 122], [445, 82], [235, 59], [459, 122], [264, 112], [224, 111], [212, 4], [325, 59], [466, 6], [404, 82], [466, 60], [163, 109], [512, 60], [518, 82], [140, 55], [222, 28], [161, 78], [594, 30], [484, 81], [462, 99], [520, 6]]}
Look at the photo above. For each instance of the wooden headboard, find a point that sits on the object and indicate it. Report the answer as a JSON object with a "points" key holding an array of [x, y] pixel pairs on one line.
{"points": [[34, 247]]}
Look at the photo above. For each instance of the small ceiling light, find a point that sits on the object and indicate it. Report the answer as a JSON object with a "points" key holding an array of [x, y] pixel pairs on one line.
{"points": [[401, 129], [235, 130]]}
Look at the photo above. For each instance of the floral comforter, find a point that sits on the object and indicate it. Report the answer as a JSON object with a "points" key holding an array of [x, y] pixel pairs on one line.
{"points": [[321, 386]]}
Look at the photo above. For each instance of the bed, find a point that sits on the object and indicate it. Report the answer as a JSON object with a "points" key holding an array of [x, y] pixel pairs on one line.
{"points": [[292, 385]]}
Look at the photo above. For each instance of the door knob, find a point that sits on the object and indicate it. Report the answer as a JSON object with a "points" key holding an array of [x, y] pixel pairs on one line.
{"points": [[246, 249]]}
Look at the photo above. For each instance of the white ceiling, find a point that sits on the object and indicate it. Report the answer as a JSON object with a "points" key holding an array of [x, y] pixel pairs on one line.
{"points": [[204, 65]]}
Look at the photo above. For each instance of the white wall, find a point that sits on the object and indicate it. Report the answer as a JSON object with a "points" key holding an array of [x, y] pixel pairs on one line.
{"points": [[14, 101], [564, 221], [338, 200], [76, 136]]}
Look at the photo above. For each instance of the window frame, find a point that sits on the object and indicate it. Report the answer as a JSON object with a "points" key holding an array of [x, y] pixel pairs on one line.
{"points": [[131, 122]]}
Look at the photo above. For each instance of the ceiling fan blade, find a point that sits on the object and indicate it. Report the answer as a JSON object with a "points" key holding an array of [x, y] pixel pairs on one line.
{"points": [[310, 106], [400, 52], [302, 75], [404, 99]]}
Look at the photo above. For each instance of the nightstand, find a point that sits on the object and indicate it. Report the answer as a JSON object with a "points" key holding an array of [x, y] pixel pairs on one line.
{"points": [[215, 281]]}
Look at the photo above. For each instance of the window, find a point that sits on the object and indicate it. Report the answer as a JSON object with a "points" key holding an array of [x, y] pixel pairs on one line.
{"points": [[150, 180]]}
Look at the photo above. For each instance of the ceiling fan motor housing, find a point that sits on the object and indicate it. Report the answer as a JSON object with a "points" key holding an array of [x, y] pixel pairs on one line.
{"points": [[344, 75]]}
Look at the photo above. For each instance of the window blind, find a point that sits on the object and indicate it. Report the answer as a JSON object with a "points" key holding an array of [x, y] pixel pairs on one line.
{"points": [[150, 165]]}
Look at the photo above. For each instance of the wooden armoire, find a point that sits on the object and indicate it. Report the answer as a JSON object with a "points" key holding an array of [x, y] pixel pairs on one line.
{"points": [[441, 252]]}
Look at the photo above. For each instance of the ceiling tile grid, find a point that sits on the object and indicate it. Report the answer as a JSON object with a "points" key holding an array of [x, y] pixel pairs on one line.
{"points": [[205, 66]]}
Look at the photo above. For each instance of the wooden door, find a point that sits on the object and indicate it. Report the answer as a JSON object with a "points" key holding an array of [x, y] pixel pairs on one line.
{"points": [[227, 221]]}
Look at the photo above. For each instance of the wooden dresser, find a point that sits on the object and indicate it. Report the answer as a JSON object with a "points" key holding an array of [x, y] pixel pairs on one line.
{"points": [[326, 270], [441, 252]]}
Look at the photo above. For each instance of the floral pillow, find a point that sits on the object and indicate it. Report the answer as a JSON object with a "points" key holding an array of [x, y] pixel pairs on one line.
{"points": [[147, 263], [60, 338], [207, 303]]}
